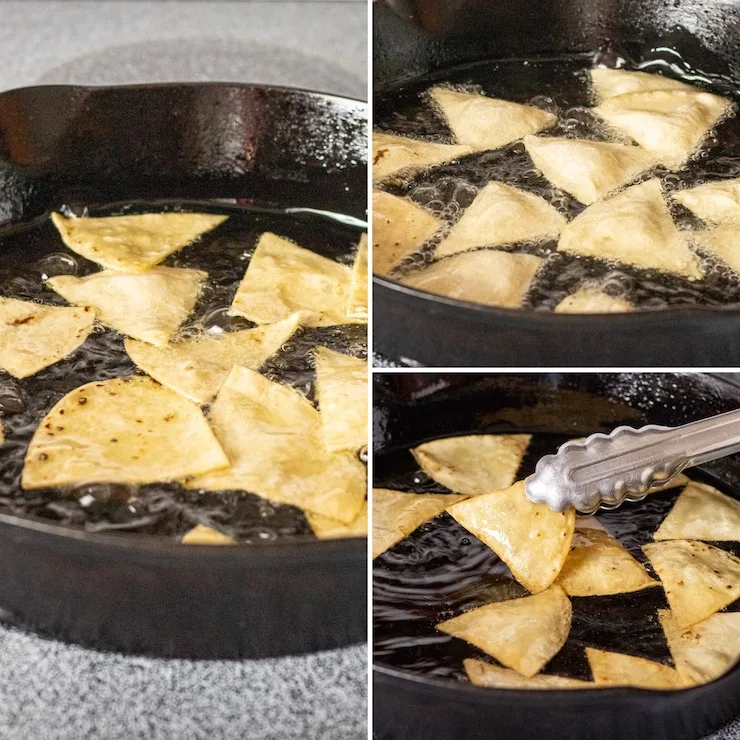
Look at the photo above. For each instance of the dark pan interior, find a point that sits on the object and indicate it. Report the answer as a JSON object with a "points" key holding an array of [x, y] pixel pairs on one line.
{"points": [[440, 570]]}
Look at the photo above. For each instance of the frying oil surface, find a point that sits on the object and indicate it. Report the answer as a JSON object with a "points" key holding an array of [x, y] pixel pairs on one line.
{"points": [[30, 255], [560, 86]]}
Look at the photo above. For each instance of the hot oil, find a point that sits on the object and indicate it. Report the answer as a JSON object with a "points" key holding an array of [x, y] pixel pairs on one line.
{"points": [[30, 254], [560, 85]]}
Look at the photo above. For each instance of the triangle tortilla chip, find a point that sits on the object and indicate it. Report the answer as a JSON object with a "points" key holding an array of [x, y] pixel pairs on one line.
{"points": [[33, 337], [598, 565], [491, 676], [716, 202], [358, 289], [150, 306], [532, 539], [484, 276], [499, 215], [397, 514], [488, 123], [283, 278], [392, 154], [701, 512], [705, 651], [202, 535], [698, 579], [523, 634], [588, 170], [474, 464], [592, 300], [272, 435], [124, 430], [617, 669], [133, 243], [633, 227], [330, 529], [400, 227], [196, 368], [723, 243], [608, 83], [341, 391], [669, 124]]}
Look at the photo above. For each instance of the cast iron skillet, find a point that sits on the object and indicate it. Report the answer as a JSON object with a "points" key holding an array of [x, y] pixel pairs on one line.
{"points": [[441, 332], [100, 145]]}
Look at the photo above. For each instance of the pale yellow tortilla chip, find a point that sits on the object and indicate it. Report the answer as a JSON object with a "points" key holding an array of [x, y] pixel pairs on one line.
{"points": [[202, 535], [283, 278], [499, 215], [133, 243], [633, 227], [698, 579], [716, 202], [532, 539], [392, 154], [705, 651], [608, 83], [588, 170], [701, 512], [592, 300], [124, 430], [196, 368], [723, 243], [149, 306], [400, 227], [617, 669], [358, 289], [272, 435], [488, 123], [484, 276], [330, 529], [523, 634], [491, 676], [474, 464], [341, 391], [33, 336], [397, 514], [669, 124], [598, 565]]}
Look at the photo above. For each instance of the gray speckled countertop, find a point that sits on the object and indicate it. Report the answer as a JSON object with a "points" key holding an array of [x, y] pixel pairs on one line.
{"points": [[60, 692]]}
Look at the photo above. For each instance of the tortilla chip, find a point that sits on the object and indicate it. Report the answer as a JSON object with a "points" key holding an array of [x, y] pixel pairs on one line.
{"points": [[633, 227], [592, 300], [341, 391], [588, 170], [716, 202], [723, 243], [669, 124], [396, 514], [124, 430], [617, 669], [532, 539], [474, 464], [358, 289], [133, 243], [196, 368], [522, 634], [491, 676], [501, 214], [393, 154], [150, 306], [33, 337], [330, 529], [488, 123], [598, 565], [484, 276], [705, 651], [272, 435], [698, 579], [608, 83], [283, 278], [2, 434], [202, 535]]}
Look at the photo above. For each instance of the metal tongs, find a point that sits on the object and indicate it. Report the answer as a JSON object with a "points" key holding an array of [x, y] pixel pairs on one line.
{"points": [[605, 470]]}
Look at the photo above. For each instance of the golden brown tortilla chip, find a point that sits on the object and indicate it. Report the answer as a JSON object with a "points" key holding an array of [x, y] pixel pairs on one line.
{"points": [[272, 435], [473, 464], [491, 676], [392, 154], [133, 243], [523, 634], [608, 83], [329, 529], [33, 337], [358, 289], [716, 202], [124, 430], [532, 539], [202, 535], [617, 669], [591, 300]]}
